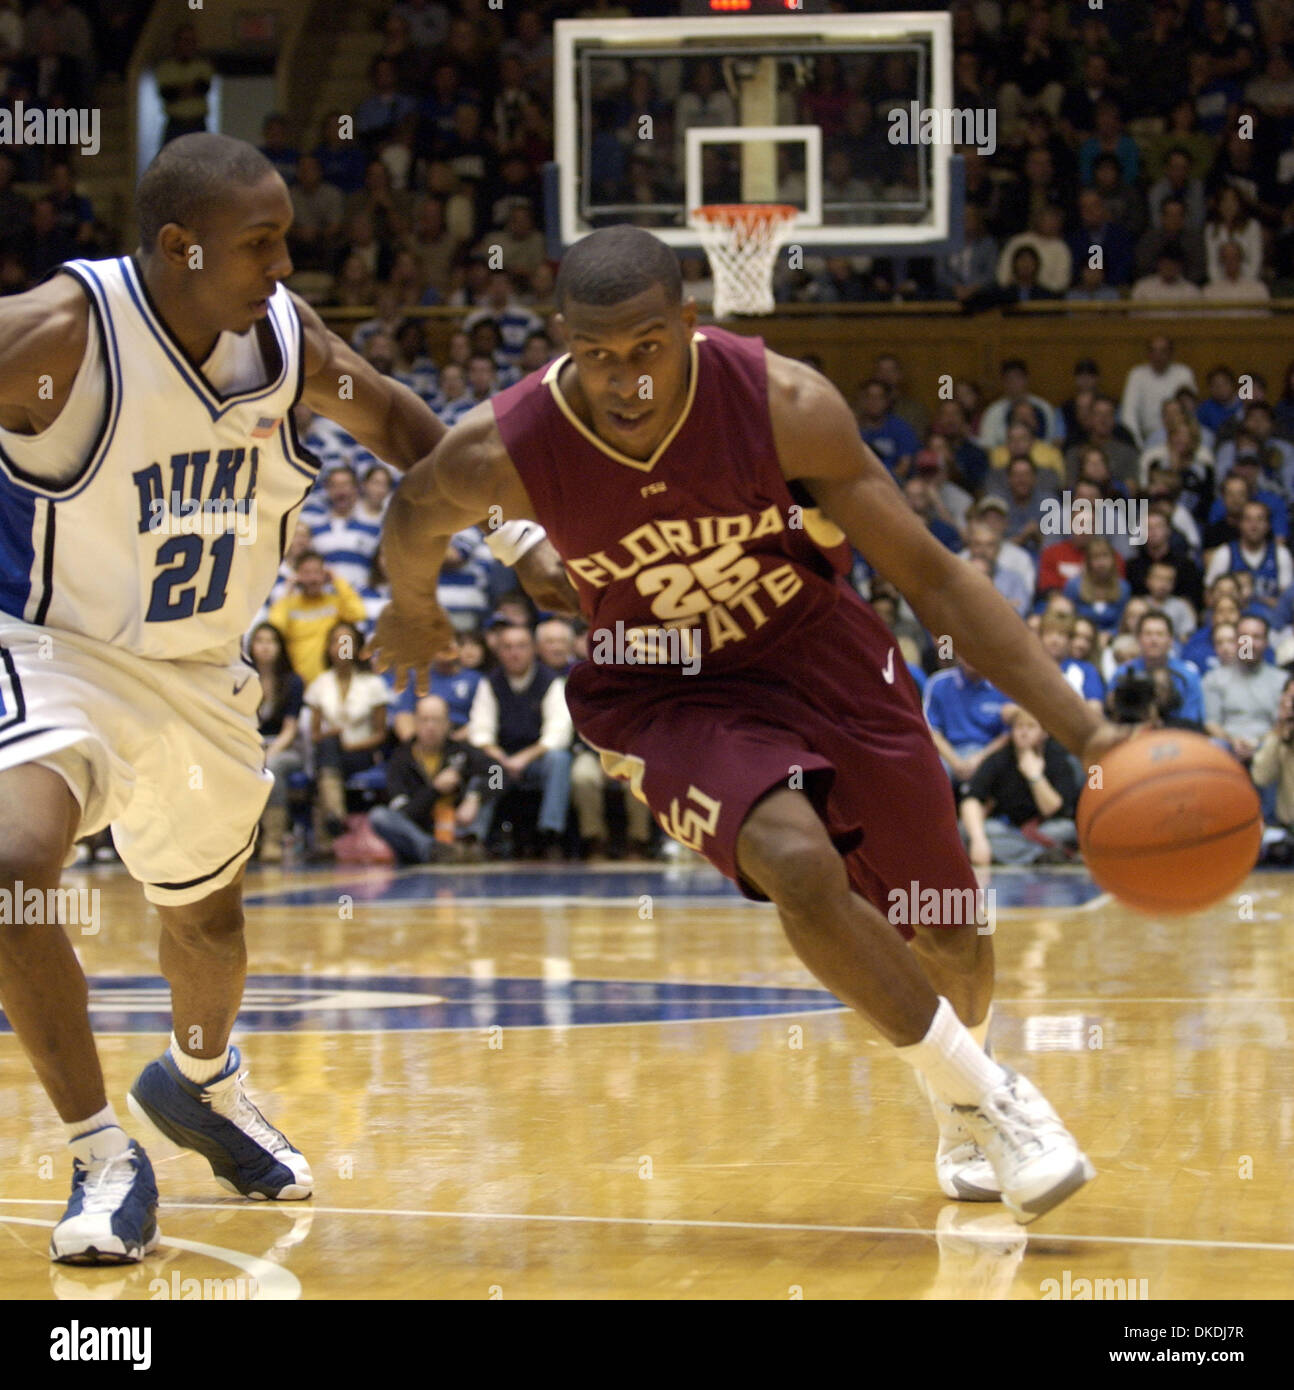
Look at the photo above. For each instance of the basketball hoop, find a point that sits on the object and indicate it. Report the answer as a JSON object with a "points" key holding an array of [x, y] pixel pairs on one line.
{"points": [[741, 241]]}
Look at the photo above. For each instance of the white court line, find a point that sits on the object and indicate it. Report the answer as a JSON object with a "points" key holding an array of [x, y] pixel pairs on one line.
{"points": [[273, 1282], [1283, 1248]]}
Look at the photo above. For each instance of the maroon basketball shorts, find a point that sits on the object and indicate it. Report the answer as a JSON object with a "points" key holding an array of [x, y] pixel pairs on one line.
{"points": [[832, 711]]}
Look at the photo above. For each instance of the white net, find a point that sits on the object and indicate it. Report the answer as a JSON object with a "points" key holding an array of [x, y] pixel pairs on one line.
{"points": [[742, 241]]}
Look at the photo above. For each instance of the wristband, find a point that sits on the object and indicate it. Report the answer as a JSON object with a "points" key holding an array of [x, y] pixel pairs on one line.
{"points": [[513, 539]]}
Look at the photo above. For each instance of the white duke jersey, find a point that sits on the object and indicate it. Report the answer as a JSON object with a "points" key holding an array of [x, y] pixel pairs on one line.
{"points": [[163, 532]]}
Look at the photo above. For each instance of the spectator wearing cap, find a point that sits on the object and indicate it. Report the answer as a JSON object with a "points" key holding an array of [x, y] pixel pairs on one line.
{"points": [[952, 502], [1015, 388], [890, 439], [924, 501]]}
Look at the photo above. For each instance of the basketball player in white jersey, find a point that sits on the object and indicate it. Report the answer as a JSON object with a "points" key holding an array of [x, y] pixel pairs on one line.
{"points": [[150, 475]]}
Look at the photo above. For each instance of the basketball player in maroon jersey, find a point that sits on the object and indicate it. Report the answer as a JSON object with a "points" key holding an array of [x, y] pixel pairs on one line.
{"points": [[698, 485]]}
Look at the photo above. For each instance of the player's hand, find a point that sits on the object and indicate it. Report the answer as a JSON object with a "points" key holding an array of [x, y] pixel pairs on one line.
{"points": [[1107, 736], [406, 640]]}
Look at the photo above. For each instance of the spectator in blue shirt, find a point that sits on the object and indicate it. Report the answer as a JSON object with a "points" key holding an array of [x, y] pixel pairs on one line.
{"points": [[1056, 632], [344, 161], [1098, 591], [385, 106], [1155, 638], [1247, 467], [966, 717], [1109, 138], [452, 681], [892, 440], [1222, 404]]}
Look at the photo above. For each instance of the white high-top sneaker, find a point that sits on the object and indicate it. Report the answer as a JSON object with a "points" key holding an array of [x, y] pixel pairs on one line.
{"points": [[1037, 1161], [962, 1170]]}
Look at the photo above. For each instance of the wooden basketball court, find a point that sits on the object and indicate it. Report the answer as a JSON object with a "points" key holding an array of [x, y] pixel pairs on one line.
{"points": [[528, 1082]]}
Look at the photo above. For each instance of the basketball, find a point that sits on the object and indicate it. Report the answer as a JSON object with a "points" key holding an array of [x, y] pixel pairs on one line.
{"points": [[1174, 825]]}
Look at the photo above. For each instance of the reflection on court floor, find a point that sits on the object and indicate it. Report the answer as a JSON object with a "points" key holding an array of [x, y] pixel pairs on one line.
{"points": [[549, 1082]]}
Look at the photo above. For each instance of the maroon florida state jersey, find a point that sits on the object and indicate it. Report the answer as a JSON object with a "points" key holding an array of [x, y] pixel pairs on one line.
{"points": [[700, 552]]}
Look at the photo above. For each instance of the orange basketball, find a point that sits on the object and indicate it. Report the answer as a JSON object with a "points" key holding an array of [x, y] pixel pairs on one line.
{"points": [[1174, 825]]}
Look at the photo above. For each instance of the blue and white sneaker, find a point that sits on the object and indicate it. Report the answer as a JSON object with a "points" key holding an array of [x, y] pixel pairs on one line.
{"points": [[111, 1217], [247, 1154]]}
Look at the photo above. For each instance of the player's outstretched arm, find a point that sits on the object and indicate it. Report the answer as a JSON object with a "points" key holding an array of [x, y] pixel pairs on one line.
{"points": [[818, 443], [467, 480], [383, 414]]}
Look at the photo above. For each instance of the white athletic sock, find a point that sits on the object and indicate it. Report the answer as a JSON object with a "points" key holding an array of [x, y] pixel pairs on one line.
{"points": [[97, 1136], [954, 1065], [198, 1069], [980, 1030]]}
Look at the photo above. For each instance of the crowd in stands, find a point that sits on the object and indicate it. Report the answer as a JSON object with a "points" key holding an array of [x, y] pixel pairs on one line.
{"points": [[1141, 529], [1162, 133], [53, 55]]}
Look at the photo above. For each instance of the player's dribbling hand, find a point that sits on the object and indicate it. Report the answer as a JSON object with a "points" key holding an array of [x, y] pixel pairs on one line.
{"points": [[1107, 735], [405, 641]]}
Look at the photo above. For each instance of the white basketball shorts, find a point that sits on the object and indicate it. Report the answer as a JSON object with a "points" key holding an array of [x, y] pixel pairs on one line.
{"points": [[165, 752]]}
